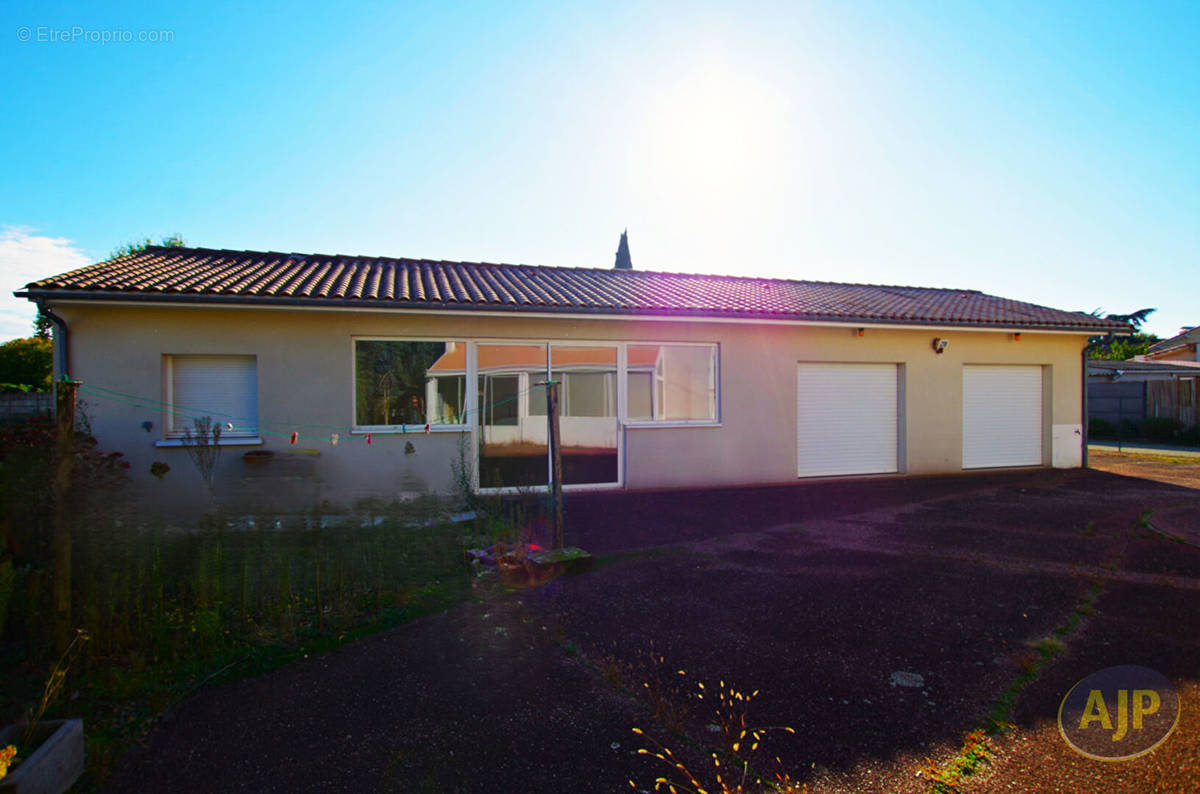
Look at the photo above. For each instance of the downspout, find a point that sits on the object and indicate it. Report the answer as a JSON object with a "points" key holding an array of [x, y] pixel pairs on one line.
{"points": [[62, 337]]}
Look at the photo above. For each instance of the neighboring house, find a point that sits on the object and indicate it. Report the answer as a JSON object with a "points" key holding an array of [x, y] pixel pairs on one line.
{"points": [[1121, 391], [1184, 346], [431, 374]]}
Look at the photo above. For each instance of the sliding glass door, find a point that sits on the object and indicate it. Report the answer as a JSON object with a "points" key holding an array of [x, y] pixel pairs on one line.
{"points": [[513, 452], [587, 412], [513, 448]]}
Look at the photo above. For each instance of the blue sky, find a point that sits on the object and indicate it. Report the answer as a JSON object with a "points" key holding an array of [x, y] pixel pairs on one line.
{"points": [[1048, 152]]}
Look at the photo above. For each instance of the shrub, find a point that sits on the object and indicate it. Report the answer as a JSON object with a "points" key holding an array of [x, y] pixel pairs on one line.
{"points": [[1161, 429], [6, 584], [1101, 428], [1190, 436], [26, 494]]}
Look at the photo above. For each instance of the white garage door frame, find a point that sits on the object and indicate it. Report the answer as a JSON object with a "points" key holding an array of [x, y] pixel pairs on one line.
{"points": [[1003, 416], [849, 418]]}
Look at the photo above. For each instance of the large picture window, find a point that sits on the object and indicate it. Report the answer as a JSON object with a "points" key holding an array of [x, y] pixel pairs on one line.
{"points": [[402, 383], [672, 383], [497, 390]]}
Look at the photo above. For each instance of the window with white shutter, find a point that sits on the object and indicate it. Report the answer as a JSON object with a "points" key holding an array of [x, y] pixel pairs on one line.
{"points": [[224, 388]]}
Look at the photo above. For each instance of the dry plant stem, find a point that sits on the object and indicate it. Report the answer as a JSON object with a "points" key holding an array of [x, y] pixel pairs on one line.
{"points": [[731, 716], [54, 684], [202, 442]]}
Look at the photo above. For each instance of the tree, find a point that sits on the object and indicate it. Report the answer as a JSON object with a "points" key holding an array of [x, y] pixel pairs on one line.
{"points": [[391, 380], [1125, 348], [1111, 346], [137, 246], [26, 364], [1134, 318]]}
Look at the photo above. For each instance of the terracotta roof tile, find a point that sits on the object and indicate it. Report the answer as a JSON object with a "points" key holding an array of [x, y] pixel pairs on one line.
{"points": [[201, 274]]}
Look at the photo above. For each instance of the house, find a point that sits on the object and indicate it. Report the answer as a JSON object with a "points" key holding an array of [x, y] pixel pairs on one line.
{"points": [[350, 377], [1122, 392], [1184, 346]]}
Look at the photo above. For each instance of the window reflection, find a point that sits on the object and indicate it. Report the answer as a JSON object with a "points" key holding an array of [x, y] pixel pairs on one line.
{"points": [[672, 383], [409, 383]]}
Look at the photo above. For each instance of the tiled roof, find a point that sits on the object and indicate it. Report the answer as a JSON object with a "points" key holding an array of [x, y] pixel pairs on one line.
{"points": [[206, 275], [1105, 366], [1187, 336]]}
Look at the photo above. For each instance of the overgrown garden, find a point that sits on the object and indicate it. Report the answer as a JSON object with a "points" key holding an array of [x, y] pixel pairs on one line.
{"points": [[168, 608]]}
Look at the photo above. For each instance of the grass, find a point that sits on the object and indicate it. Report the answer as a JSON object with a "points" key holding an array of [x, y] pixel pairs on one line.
{"points": [[1144, 520], [1142, 457], [171, 611], [974, 756], [971, 760]]}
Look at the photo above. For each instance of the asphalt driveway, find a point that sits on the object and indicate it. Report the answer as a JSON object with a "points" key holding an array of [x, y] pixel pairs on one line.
{"points": [[879, 619]]}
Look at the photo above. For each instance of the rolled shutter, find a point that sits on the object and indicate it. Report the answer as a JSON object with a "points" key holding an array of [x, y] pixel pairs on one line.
{"points": [[848, 419], [222, 387], [1002, 416]]}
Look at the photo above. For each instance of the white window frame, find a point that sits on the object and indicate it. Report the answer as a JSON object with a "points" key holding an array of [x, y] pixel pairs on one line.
{"points": [[469, 390], [714, 382], [523, 405], [470, 426]]}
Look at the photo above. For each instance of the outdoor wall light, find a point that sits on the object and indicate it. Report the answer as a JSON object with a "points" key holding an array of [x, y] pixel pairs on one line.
{"points": [[147, 426], [940, 345], [1017, 336], [862, 332]]}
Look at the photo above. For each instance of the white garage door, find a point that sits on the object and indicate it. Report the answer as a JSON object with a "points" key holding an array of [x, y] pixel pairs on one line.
{"points": [[1002, 416], [848, 419]]}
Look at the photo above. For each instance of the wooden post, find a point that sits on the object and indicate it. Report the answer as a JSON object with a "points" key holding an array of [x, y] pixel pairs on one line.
{"points": [[61, 539], [555, 437]]}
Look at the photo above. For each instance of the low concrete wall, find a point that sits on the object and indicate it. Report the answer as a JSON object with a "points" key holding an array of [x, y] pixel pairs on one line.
{"points": [[23, 405]]}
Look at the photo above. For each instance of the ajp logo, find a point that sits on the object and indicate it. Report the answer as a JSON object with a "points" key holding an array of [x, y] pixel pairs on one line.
{"points": [[1119, 713]]}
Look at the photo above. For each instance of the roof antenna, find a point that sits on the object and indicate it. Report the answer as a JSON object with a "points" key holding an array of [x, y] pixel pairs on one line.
{"points": [[624, 262]]}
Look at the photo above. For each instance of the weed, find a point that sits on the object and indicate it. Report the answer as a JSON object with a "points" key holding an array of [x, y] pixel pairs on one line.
{"points": [[170, 610], [7, 580], [731, 764], [462, 477], [1049, 647], [55, 682], [202, 442], [977, 746], [975, 754], [11, 754], [8, 755]]}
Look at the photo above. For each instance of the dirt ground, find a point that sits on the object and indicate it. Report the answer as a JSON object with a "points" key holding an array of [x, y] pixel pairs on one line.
{"points": [[880, 620], [1183, 471]]}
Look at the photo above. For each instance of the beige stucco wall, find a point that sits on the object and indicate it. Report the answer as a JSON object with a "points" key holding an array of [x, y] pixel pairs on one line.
{"points": [[305, 376]]}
